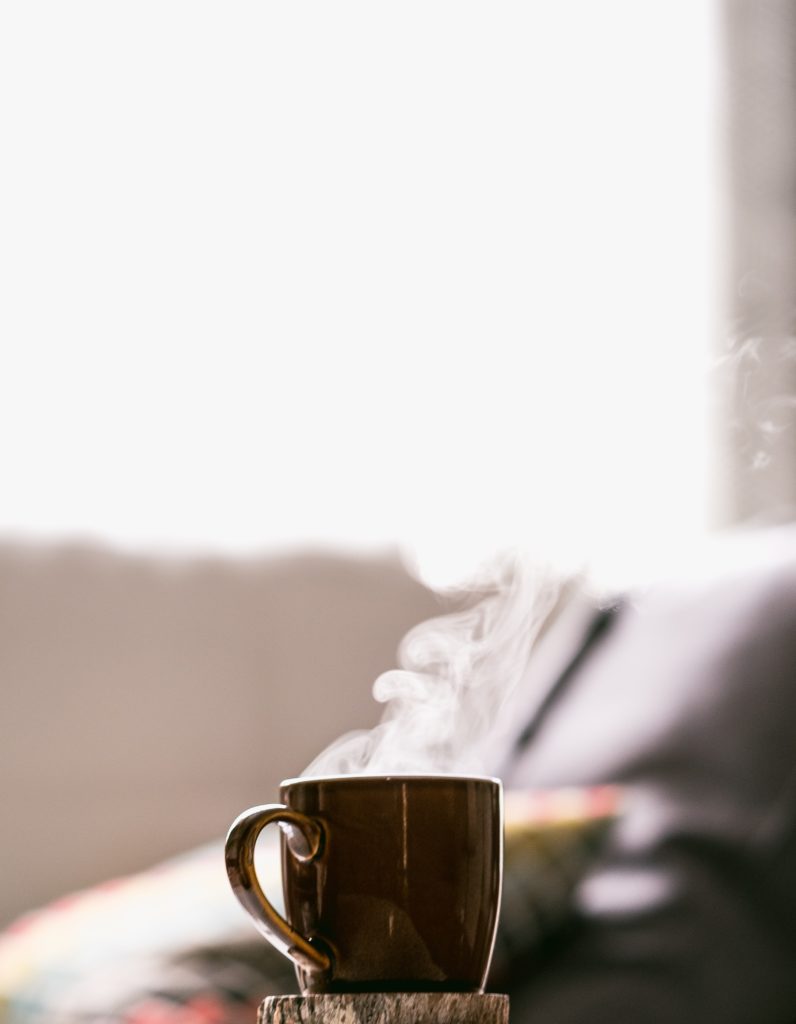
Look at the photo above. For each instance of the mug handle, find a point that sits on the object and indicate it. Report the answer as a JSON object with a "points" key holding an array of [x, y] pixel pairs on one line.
{"points": [[239, 855]]}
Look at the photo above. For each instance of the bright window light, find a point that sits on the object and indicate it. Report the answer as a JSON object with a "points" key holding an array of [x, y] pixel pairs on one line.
{"points": [[438, 274]]}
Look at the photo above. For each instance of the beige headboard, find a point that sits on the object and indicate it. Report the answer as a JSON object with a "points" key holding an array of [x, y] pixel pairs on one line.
{"points": [[146, 701]]}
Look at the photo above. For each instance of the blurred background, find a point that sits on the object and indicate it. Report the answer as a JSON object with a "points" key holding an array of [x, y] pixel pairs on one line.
{"points": [[307, 308]]}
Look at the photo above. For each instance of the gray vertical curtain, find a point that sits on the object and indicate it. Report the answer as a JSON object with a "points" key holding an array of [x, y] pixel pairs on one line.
{"points": [[757, 421]]}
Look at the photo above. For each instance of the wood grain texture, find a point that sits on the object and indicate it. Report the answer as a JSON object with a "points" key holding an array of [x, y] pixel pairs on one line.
{"points": [[386, 1008]]}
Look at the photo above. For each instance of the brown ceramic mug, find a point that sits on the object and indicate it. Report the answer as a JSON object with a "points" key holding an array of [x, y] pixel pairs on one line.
{"points": [[391, 883]]}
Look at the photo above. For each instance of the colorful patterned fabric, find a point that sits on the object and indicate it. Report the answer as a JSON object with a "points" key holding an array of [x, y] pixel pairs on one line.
{"points": [[167, 945], [551, 838], [172, 946]]}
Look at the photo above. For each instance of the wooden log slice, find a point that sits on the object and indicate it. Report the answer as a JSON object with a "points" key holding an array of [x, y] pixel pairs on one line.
{"points": [[386, 1008]]}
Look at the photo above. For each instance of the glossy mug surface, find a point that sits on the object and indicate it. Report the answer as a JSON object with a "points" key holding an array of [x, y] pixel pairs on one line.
{"points": [[391, 883]]}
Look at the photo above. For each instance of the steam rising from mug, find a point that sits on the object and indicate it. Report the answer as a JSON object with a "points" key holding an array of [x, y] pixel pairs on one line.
{"points": [[456, 674]]}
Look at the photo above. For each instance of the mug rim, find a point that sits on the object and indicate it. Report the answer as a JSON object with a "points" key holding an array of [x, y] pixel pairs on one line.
{"points": [[392, 777]]}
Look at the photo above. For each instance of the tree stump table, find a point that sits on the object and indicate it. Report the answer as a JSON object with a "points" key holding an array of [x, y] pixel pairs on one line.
{"points": [[386, 1008]]}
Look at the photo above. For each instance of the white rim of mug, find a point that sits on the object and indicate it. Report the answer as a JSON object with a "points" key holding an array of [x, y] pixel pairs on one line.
{"points": [[391, 777]]}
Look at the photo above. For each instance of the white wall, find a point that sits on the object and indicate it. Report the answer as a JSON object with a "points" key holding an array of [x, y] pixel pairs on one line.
{"points": [[436, 273]]}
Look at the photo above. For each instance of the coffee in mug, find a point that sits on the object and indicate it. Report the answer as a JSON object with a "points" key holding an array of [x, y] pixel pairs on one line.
{"points": [[391, 883]]}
